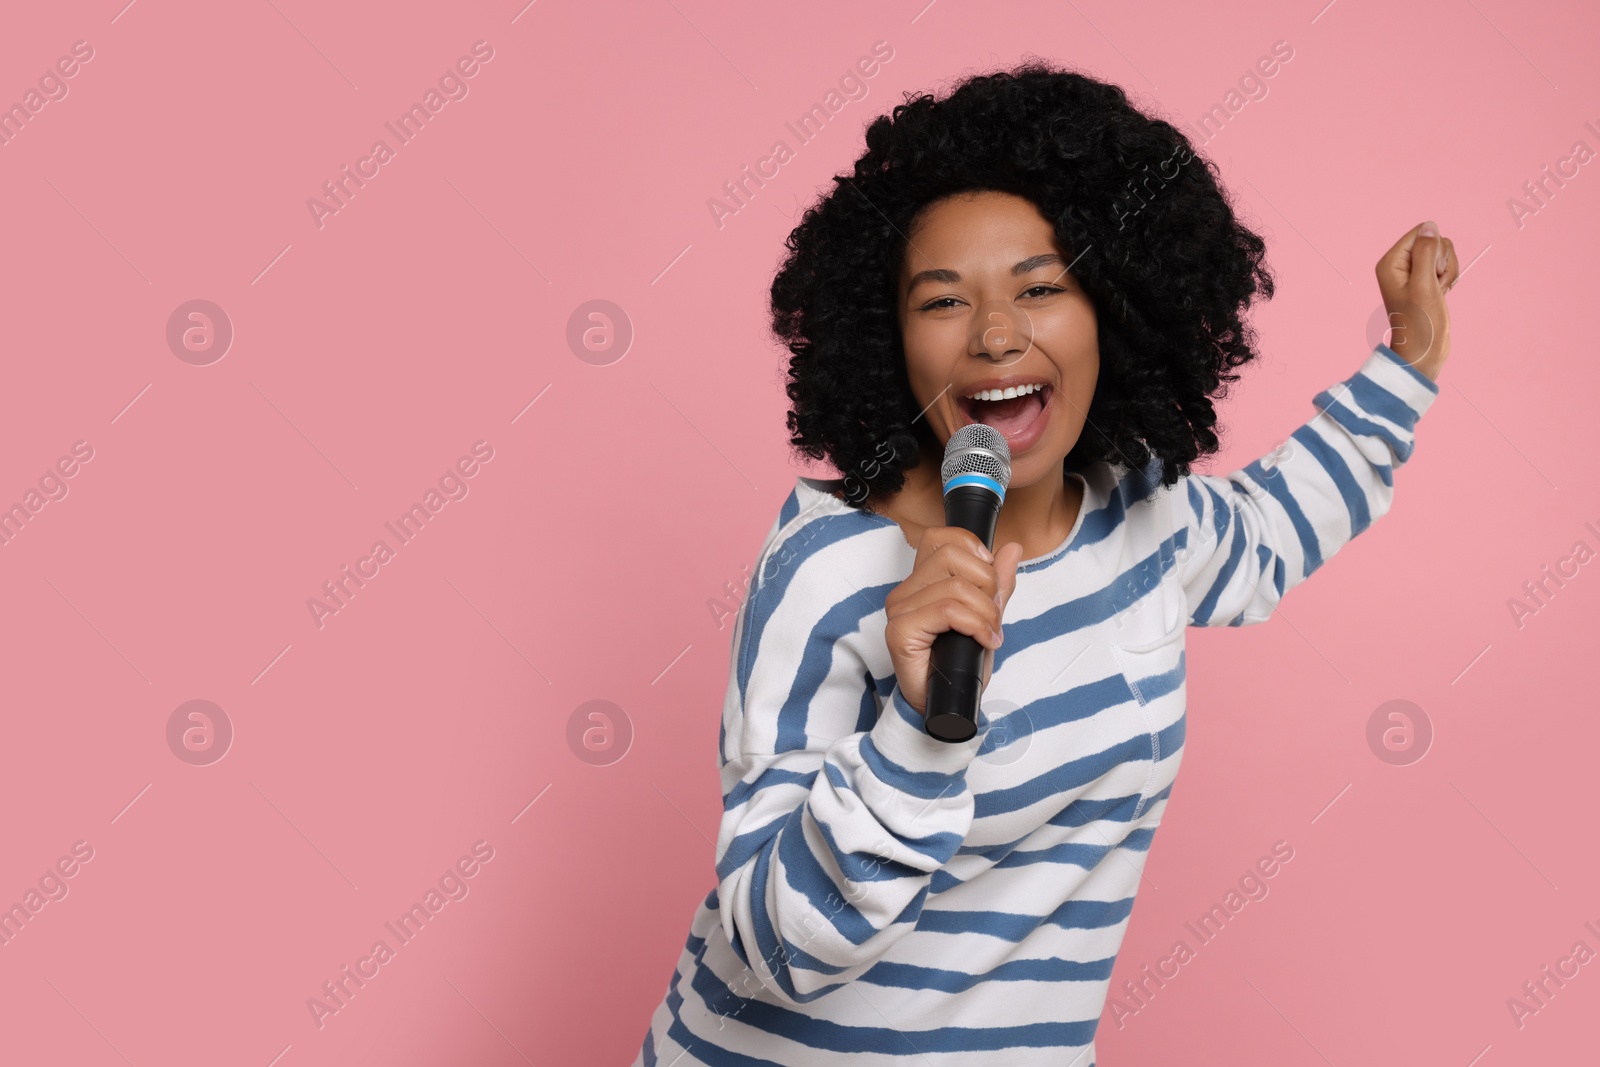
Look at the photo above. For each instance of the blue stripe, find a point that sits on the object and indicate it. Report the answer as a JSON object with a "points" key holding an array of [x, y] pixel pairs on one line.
{"points": [[791, 507], [1096, 526], [1155, 686], [743, 791], [1355, 498], [1064, 777], [859, 867], [741, 848], [885, 1040], [1076, 814], [781, 956], [1051, 969], [928, 785], [1279, 569], [1274, 485], [1222, 520], [1170, 738], [1068, 853], [714, 1056], [769, 585], [805, 875], [1427, 382], [867, 716], [1091, 608], [1374, 399], [1013, 926], [816, 663], [938, 847], [1360, 426], [1079, 702]]}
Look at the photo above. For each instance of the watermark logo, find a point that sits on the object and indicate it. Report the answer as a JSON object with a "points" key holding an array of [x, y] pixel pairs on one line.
{"points": [[199, 732], [599, 332], [1399, 732], [1010, 733], [1407, 325], [599, 732], [199, 332]]}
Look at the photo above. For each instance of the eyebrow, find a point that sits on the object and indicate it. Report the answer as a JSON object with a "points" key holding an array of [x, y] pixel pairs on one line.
{"points": [[1032, 263]]}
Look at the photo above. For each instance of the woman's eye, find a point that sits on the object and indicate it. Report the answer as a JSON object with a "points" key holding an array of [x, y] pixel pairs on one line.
{"points": [[947, 301]]}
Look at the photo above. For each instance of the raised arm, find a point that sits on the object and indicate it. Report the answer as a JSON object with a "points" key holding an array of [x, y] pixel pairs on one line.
{"points": [[1248, 538], [835, 817], [1257, 533]]}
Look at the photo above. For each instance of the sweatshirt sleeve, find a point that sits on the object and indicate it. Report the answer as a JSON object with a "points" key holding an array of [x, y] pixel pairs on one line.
{"points": [[1258, 532], [836, 814]]}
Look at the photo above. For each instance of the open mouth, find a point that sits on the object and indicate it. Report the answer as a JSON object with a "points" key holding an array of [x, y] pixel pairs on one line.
{"points": [[1011, 417]]}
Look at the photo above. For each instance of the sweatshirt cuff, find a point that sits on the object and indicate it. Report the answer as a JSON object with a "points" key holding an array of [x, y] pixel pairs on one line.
{"points": [[1390, 370], [912, 760]]}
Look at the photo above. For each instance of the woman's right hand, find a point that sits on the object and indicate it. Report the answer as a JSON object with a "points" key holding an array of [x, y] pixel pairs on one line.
{"points": [[952, 586], [1413, 277]]}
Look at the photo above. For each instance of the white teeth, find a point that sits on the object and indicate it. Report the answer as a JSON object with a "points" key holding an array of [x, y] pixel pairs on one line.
{"points": [[1007, 394]]}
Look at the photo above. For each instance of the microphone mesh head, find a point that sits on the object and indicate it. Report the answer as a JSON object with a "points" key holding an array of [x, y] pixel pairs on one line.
{"points": [[977, 449]]}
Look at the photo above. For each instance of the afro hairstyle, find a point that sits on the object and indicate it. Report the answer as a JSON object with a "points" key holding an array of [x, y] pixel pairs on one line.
{"points": [[1151, 235]]}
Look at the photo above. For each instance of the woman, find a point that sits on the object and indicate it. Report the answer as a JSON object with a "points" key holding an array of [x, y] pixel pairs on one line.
{"points": [[1033, 253]]}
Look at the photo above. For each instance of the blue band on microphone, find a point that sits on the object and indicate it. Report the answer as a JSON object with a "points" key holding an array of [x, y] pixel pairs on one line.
{"points": [[977, 479]]}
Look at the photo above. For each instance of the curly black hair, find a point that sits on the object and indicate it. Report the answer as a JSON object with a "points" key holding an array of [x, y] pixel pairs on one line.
{"points": [[1152, 238]]}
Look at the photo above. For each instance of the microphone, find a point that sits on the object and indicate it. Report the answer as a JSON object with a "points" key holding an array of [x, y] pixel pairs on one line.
{"points": [[976, 471]]}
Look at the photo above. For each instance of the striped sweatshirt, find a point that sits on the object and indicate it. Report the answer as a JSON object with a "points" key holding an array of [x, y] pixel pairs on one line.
{"points": [[884, 897]]}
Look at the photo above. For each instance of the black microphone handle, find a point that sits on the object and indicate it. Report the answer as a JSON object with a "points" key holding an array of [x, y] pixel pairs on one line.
{"points": [[955, 662]]}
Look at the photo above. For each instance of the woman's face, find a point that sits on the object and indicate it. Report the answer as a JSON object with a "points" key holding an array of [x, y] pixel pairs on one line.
{"points": [[985, 298]]}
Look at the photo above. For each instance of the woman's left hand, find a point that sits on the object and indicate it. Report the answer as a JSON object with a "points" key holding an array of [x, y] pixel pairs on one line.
{"points": [[1413, 277]]}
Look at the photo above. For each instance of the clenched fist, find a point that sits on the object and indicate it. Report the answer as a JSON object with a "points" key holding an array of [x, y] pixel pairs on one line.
{"points": [[953, 585], [1413, 277]]}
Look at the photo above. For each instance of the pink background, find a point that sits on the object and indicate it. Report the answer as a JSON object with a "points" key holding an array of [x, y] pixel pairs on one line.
{"points": [[371, 752]]}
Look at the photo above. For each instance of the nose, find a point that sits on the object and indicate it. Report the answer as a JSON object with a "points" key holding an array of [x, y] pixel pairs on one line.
{"points": [[1001, 332]]}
